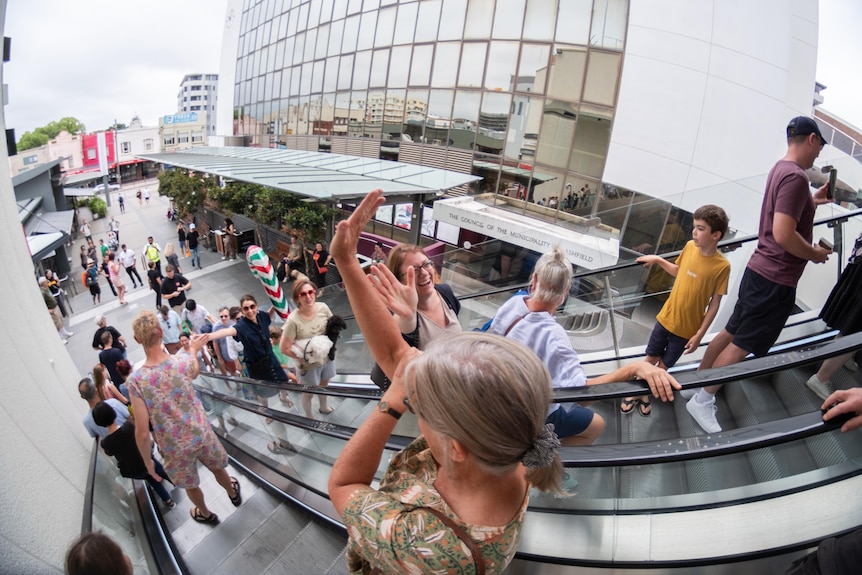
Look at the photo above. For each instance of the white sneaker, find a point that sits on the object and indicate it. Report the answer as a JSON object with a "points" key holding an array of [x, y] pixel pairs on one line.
{"points": [[821, 389], [64, 340], [704, 414], [70, 333], [689, 393]]}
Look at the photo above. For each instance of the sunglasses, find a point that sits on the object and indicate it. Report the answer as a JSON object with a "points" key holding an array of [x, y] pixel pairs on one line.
{"points": [[249, 307], [306, 293], [224, 316]]}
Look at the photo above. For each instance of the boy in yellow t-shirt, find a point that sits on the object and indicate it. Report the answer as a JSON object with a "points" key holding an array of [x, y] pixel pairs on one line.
{"points": [[701, 274]]}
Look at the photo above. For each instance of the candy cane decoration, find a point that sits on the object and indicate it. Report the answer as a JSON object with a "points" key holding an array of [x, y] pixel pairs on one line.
{"points": [[260, 266]]}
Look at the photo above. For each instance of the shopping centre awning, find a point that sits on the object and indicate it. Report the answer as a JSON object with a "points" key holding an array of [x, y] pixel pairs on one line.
{"points": [[316, 175], [49, 222], [42, 245], [588, 250], [82, 178]]}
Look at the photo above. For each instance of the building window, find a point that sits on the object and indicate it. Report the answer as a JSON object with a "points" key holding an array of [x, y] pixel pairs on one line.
{"points": [[197, 137], [195, 108], [196, 88], [148, 144], [183, 138], [195, 98], [169, 139], [127, 147], [91, 153]]}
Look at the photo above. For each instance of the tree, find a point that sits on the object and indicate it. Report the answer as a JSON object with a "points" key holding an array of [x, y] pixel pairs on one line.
{"points": [[188, 192], [42, 135]]}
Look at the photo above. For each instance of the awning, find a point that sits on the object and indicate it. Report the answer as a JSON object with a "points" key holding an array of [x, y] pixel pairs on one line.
{"points": [[585, 250], [80, 192], [315, 175], [517, 173], [49, 222], [42, 245], [82, 178]]}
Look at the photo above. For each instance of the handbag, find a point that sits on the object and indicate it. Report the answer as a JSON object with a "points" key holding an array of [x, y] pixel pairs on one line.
{"points": [[478, 560]]}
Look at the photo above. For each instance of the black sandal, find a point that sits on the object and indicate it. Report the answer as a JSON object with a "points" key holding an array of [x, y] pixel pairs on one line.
{"points": [[629, 403], [199, 517], [237, 498], [645, 408]]}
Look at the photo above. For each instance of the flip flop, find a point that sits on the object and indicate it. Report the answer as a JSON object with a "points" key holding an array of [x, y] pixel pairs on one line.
{"points": [[199, 517], [280, 448], [236, 499], [285, 401], [628, 405], [644, 409], [326, 411]]}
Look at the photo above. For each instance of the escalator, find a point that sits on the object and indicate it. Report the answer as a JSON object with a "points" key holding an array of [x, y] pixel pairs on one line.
{"points": [[654, 494]]}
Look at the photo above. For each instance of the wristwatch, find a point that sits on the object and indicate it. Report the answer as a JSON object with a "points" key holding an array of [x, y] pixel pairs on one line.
{"points": [[383, 406]]}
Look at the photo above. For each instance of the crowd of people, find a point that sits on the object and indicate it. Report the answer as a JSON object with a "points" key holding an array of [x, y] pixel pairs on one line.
{"points": [[456, 496]]}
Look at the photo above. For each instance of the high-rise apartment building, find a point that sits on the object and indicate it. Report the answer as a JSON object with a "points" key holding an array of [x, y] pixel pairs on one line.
{"points": [[199, 93]]}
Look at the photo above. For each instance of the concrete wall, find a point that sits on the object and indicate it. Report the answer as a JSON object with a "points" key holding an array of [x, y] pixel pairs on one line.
{"points": [[707, 90], [45, 448]]}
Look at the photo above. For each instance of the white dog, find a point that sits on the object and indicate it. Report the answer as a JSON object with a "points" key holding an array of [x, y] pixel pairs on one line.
{"points": [[314, 350]]}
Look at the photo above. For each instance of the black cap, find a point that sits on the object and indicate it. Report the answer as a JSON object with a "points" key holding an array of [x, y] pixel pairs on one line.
{"points": [[802, 126]]}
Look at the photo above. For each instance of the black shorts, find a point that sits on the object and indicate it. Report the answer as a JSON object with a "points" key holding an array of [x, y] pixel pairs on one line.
{"points": [[760, 313], [665, 345]]}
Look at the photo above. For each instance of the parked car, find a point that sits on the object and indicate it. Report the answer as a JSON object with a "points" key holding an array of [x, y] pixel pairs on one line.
{"points": [[100, 188]]}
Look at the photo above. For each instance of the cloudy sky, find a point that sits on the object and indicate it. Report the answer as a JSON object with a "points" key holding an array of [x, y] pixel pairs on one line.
{"points": [[101, 60]]}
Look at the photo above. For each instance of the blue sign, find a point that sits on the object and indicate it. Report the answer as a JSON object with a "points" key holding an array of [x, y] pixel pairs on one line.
{"points": [[180, 118]]}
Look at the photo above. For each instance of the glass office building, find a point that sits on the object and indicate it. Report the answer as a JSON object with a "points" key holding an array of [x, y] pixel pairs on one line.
{"points": [[596, 115]]}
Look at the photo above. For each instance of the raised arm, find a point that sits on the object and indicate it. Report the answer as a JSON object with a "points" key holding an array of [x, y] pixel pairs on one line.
{"points": [[381, 333]]}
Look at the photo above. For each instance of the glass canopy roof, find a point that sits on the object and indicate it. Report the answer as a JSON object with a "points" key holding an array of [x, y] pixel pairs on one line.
{"points": [[315, 175]]}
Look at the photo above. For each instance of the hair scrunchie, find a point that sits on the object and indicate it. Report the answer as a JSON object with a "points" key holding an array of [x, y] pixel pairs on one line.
{"points": [[541, 453]]}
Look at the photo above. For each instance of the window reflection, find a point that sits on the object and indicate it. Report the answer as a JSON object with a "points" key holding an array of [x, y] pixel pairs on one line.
{"points": [[472, 64], [439, 117], [317, 76], [356, 119], [331, 75], [465, 119], [322, 40], [336, 34], [415, 109], [420, 69], [555, 136], [573, 22], [345, 72], [480, 14], [426, 23], [393, 115], [566, 73], [602, 75], [379, 66], [502, 59], [367, 25], [446, 64], [399, 66], [385, 27], [405, 23], [493, 122], [375, 110], [327, 115], [508, 17], [361, 70], [351, 31], [341, 114], [452, 20], [592, 138], [609, 24]]}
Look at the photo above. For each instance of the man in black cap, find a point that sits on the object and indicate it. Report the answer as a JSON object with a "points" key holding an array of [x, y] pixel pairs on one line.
{"points": [[767, 292]]}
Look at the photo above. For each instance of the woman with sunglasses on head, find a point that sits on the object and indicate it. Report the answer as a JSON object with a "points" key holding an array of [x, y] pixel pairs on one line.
{"points": [[307, 321], [252, 330], [424, 309], [452, 501]]}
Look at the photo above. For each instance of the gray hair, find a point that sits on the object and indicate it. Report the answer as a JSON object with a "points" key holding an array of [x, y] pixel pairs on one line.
{"points": [[553, 277], [491, 395]]}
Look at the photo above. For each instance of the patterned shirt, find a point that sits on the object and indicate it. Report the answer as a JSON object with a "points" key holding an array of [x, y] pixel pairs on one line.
{"points": [[178, 418], [388, 530]]}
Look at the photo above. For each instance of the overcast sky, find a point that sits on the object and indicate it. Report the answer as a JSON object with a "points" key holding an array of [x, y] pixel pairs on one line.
{"points": [[101, 60]]}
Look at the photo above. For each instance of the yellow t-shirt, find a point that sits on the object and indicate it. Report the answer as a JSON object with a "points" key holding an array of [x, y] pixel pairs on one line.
{"points": [[699, 277]]}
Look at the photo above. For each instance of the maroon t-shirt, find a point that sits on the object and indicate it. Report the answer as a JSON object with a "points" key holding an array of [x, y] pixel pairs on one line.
{"points": [[786, 192]]}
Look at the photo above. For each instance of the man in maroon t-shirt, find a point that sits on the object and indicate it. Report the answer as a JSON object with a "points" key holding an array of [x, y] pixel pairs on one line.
{"points": [[767, 292]]}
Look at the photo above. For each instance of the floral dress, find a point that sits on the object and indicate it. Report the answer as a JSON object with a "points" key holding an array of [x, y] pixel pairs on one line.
{"points": [[388, 529], [179, 421]]}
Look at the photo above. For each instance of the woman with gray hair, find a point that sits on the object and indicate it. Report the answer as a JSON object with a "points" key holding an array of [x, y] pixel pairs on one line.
{"points": [[453, 500], [530, 320]]}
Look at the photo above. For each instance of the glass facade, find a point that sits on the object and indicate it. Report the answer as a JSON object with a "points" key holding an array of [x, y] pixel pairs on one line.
{"points": [[520, 92]]}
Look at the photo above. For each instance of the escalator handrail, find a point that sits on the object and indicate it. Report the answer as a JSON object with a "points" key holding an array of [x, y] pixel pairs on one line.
{"points": [[673, 450], [751, 368], [87, 518], [344, 432]]}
